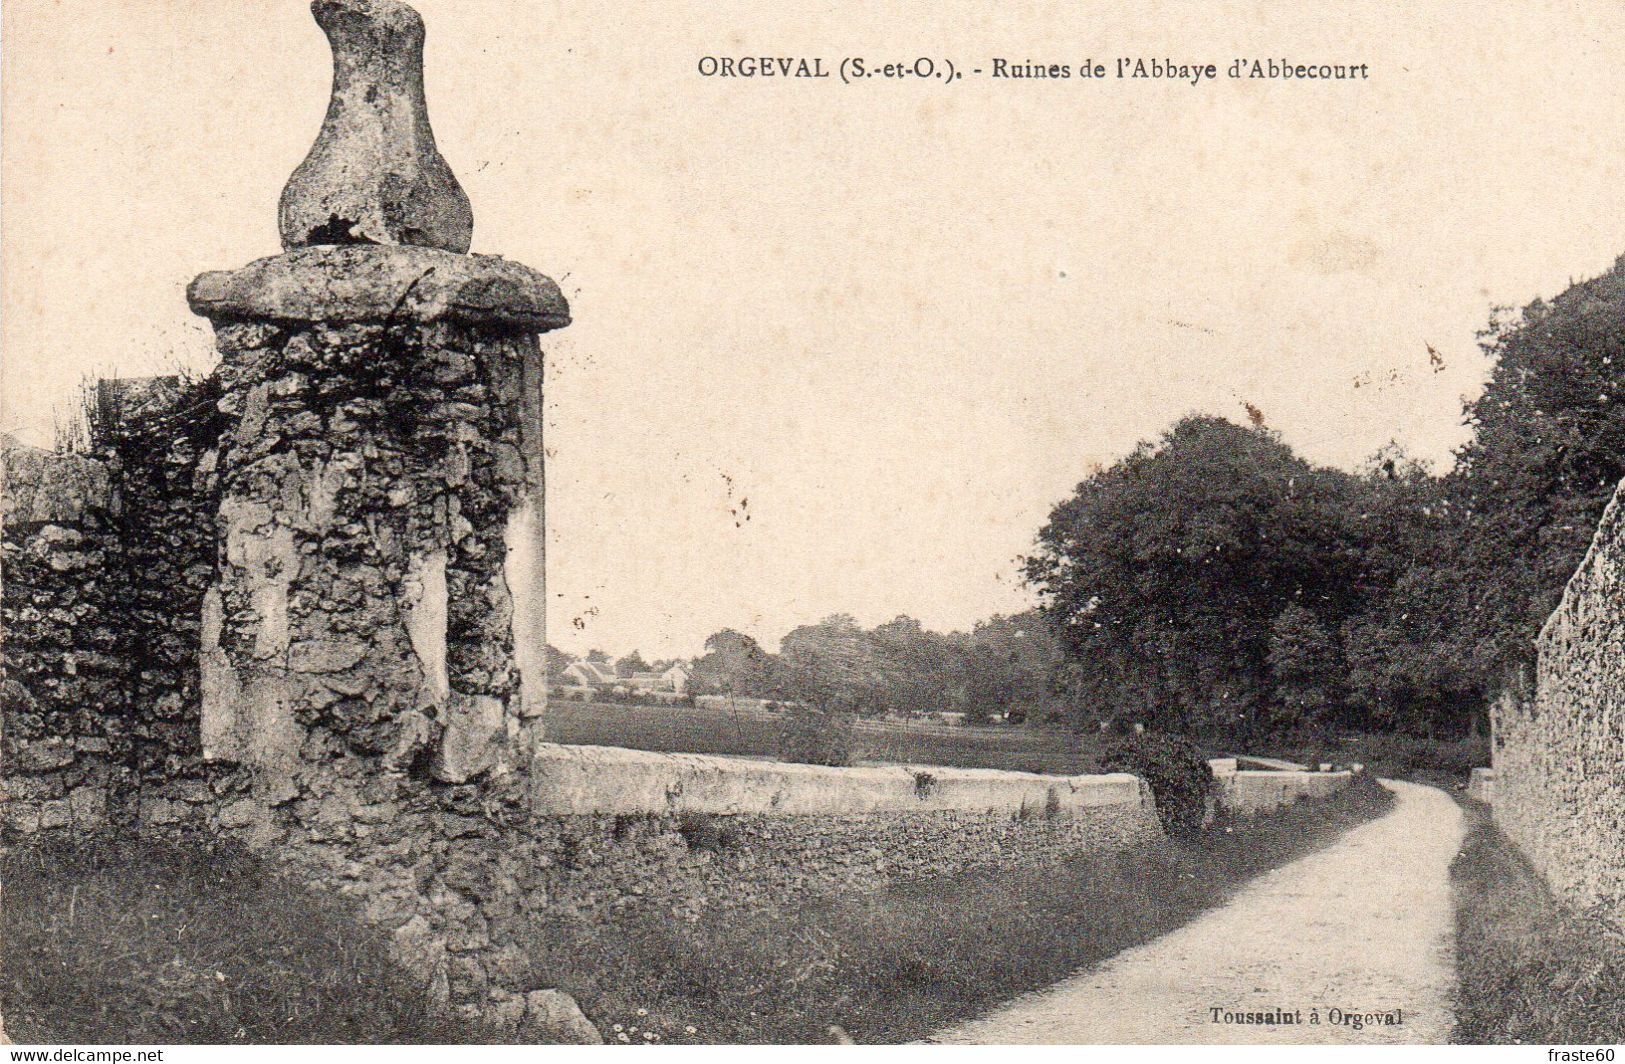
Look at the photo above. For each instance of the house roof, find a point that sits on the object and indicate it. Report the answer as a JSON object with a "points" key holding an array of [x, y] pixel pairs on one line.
{"points": [[593, 670]]}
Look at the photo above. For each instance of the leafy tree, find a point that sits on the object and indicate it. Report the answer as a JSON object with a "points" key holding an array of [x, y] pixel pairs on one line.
{"points": [[1010, 667], [1547, 451], [630, 664], [557, 661], [1500, 535], [1306, 667], [837, 659], [1163, 575], [734, 664]]}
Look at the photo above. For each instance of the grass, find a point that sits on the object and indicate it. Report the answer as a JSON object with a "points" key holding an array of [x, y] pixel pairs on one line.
{"points": [[193, 942], [188, 942], [1529, 970], [898, 964], [701, 730]]}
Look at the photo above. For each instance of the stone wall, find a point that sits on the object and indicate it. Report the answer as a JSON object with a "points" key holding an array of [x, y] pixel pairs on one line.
{"points": [[459, 875], [159, 436], [1245, 792], [106, 556], [1559, 751], [67, 748]]}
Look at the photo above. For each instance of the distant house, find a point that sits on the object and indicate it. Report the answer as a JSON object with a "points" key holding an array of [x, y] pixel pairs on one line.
{"points": [[588, 674], [672, 681]]}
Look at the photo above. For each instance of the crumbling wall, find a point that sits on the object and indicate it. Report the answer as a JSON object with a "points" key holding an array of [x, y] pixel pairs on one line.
{"points": [[66, 750], [106, 556], [159, 434], [1560, 753]]}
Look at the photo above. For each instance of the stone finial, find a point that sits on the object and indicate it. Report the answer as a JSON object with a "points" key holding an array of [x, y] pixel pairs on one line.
{"points": [[374, 175]]}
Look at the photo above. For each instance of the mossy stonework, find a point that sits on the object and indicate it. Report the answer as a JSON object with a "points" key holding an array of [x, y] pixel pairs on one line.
{"points": [[301, 602], [1559, 751], [373, 475]]}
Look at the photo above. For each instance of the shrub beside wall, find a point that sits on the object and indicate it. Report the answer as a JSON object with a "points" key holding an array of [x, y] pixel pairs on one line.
{"points": [[1180, 778]]}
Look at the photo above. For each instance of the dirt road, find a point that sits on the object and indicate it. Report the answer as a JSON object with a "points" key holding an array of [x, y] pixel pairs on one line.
{"points": [[1362, 927]]}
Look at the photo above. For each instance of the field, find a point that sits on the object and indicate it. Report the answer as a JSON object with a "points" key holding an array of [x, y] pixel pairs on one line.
{"points": [[699, 730]]}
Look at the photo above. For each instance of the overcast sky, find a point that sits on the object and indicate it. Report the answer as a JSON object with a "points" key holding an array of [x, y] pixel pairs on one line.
{"points": [[892, 323]]}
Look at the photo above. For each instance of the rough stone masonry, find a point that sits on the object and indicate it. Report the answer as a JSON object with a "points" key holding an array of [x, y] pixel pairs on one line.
{"points": [[1560, 754], [300, 602]]}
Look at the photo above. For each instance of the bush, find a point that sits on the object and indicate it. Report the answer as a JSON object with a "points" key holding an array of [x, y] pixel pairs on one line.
{"points": [[816, 737], [1179, 776]]}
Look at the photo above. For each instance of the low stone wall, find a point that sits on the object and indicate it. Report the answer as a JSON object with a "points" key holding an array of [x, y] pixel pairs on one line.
{"points": [[1244, 792], [601, 779], [1481, 784], [461, 875], [1560, 750]]}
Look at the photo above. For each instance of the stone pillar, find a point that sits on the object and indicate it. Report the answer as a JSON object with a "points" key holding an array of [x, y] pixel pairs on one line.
{"points": [[381, 467]]}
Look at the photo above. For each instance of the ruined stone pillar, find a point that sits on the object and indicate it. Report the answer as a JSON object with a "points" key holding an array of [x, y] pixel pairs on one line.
{"points": [[381, 561]]}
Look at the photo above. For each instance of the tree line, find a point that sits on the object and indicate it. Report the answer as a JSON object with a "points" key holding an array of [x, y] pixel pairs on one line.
{"points": [[1213, 581], [1003, 666]]}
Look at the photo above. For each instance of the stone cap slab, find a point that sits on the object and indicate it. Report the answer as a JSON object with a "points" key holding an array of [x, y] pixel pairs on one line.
{"points": [[567, 780], [374, 282]]}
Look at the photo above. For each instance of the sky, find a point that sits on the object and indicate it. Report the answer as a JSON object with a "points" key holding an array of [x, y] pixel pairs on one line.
{"points": [[840, 348]]}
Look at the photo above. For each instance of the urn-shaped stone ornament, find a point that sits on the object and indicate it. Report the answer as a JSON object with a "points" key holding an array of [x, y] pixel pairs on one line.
{"points": [[374, 175]]}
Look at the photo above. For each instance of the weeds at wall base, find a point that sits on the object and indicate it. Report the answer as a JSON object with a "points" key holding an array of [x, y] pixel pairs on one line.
{"points": [[1529, 970], [194, 941], [897, 964]]}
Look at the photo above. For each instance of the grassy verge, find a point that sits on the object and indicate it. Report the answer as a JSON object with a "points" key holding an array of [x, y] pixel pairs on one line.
{"points": [[1528, 969], [896, 965], [198, 943], [191, 943]]}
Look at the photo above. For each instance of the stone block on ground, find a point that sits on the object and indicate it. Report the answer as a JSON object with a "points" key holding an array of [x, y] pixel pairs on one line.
{"points": [[552, 1017]]}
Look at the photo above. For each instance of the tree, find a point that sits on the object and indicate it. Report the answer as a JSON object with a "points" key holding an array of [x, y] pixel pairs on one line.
{"points": [[630, 664], [733, 664], [1547, 451], [1163, 575], [1500, 535], [1306, 669], [918, 671], [1010, 667], [837, 659], [1403, 671], [557, 661]]}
